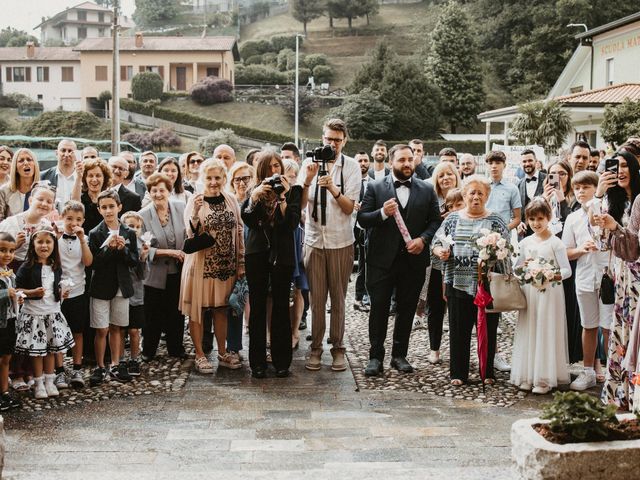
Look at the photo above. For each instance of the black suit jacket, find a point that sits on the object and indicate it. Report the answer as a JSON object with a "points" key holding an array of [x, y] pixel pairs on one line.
{"points": [[111, 267], [421, 216], [421, 172], [131, 202], [387, 170], [50, 175], [522, 187]]}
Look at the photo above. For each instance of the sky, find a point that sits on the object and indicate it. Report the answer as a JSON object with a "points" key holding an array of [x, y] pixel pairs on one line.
{"points": [[26, 14]]}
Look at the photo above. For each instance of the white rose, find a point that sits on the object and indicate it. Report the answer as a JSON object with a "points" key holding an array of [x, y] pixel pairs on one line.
{"points": [[502, 243], [502, 254], [484, 255]]}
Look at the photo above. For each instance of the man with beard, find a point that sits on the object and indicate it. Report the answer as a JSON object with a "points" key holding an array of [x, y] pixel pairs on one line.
{"points": [[594, 161], [532, 185], [393, 263], [135, 185], [379, 155], [467, 165], [362, 298], [579, 155]]}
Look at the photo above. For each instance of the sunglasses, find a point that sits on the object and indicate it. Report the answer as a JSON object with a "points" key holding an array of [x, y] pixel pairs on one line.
{"points": [[195, 161], [244, 180]]}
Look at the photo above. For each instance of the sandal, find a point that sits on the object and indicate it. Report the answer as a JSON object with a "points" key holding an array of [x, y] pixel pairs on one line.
{"points": [[203, 365], [489, 381], [456, 382], [20, 386], [229, 361]]}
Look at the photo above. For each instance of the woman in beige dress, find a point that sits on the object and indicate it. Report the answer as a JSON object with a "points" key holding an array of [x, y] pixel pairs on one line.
{"points": [[208, 275]]}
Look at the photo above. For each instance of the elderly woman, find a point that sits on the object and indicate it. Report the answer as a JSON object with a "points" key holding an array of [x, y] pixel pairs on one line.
{"points": [[445, 178], [24, 171], [460, 271], [164, 219], [6, 155], [96, 178], [215, 232], [272, 213], [171, 168], [191, 170], [620, 192]]}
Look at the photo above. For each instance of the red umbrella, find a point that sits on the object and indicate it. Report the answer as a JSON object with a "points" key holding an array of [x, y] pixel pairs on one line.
{"points": [[483, 298]]}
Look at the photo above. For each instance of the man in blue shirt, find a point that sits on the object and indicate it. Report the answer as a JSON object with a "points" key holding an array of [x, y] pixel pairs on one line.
{"points": [[505, 197]]}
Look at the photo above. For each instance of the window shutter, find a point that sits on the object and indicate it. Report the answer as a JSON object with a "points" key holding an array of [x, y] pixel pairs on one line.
{"points": [[46, 74], [9, 74], [141, 68], [161, 71], [27, 74], [123, 72]]}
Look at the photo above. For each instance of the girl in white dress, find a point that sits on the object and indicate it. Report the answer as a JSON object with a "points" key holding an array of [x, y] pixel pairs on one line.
{"points": [[540, 353]]}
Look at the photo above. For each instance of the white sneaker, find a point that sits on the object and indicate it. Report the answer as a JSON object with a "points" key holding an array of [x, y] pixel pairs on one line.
{"points": [[418, 323], [541, 389], [584, 381], [525, 387], [39, 391], [49, 386], [434, 357], [501, 364]]}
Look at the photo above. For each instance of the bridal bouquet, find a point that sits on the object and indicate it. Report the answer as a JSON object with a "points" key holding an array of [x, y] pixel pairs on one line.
{"points": [[539, 273], [492, 248]]}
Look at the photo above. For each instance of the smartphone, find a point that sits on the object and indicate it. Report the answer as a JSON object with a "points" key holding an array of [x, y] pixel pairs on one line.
{"points": [[554, 180], [611, 165]]}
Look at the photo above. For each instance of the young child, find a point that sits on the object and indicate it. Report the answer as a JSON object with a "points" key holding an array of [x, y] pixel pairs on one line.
{"points": [[115, 251], [75, 255], [136, 302], [8, 301], [454, 201], [539, 359], [590, 265], [41, 329]]}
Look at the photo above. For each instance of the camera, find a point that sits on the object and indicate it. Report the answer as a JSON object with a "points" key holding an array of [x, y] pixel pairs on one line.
{"points": [[326, 153], [276, 183]]}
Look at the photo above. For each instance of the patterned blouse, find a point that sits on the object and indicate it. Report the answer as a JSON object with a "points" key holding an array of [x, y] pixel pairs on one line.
{"points": [[220, 261]]}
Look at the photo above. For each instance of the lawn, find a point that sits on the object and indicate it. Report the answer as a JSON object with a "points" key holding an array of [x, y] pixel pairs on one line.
{"points": [[265, 117]]}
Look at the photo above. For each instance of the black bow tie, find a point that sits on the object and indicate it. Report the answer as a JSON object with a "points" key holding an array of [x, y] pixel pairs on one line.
{"points": [[69, 237], [532, 179], [398, 183]]}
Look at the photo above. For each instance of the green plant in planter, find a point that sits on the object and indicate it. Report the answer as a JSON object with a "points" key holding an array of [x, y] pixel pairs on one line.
{"points": [[579, 415]]}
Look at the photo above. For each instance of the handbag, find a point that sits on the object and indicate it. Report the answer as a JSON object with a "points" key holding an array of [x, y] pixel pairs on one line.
{"points": [[607, 286], [197, 243], [506, 292]]}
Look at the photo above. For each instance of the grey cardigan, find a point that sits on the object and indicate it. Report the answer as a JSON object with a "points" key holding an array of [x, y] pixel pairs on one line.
{"points": [[158, 266]]}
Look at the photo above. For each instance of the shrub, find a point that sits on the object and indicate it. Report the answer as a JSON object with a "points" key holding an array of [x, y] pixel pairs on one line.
{"points": [[254, 60], [365, 114], [305, 106], [157, 139], [146, 86], [138, 139], [315, 59], [212, 90], [259, 75], [303, 76], [270, 58], [206, 145], [286, 60], [322, 74], [252, 48], [64, 124], [17, 100], [4, 126], [282, 42]]}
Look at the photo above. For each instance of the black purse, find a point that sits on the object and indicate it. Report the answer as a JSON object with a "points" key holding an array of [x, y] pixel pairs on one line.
{"points": [[607, 286], [198, 242]]}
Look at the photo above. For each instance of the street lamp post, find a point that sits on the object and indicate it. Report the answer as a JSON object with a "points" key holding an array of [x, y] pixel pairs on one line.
{"points": [[115, 77], [297, 88]]}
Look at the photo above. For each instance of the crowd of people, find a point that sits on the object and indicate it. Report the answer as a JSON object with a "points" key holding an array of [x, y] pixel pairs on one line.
{"points": [[97, 255]]}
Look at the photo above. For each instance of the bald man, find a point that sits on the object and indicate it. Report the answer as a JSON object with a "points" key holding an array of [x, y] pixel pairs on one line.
{"points": [[66, 176], [119, 170], [226, 154]]}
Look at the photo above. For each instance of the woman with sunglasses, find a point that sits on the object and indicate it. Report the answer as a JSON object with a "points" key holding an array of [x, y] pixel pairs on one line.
{"points": [[23, 172], [191, 170]]}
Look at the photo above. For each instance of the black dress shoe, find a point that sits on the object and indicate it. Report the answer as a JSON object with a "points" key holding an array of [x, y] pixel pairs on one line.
{"points": [[283, 373], [401, 364], [374, 368], [259, 373], [303, 325], [309, 338]]}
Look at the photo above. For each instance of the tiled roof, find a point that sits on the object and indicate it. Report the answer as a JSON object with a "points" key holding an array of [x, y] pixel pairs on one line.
{"points": [[611, 94], [51, 54], [169, 44]]}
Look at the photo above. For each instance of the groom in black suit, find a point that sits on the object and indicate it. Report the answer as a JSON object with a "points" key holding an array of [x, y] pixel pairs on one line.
{"points": [[392, 263]]}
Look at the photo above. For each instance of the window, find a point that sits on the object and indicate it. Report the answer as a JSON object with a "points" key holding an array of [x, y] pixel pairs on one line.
{"points": [[19, 74], [40, 97], [101, 73], [82, 15], [577, 89], [126, 72], [42, 74], [213, 71], [101, 17], [82, 33], [159, 69], [67, 74], [609, 66], [101, 32]]}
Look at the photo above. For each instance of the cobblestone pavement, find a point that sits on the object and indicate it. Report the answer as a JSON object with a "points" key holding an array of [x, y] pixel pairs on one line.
{"points": [[312, 425]]}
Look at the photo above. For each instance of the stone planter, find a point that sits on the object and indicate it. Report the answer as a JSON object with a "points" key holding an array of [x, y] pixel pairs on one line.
{"points": [[538, 459]]}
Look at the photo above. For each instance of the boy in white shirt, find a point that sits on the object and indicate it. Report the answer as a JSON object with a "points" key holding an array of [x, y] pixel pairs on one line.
{"points": [[590, 266]]}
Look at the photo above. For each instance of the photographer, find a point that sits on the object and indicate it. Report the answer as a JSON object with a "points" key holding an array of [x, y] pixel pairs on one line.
{"points": [[329, 244], [272, 213]]}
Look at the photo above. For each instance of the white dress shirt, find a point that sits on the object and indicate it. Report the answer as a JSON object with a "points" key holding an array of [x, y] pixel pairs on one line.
{"points": [[532, 186], [65, 187], [72, 266]]}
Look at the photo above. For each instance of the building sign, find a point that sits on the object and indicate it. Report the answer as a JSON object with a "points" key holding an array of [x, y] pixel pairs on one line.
{"points": [[624, 43]]}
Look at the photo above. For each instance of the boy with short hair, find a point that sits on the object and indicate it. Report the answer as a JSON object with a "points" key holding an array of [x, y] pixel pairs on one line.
{"points": [[115, 251], [136, 302], [75, 255], [590, 266]]}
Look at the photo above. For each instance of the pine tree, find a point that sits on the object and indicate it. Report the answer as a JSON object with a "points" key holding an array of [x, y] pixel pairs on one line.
{"points": [[454, 65], [371, 74], [306, 10]]}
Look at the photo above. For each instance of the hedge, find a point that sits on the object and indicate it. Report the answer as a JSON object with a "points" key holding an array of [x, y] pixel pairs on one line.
{"points": [[430, 146], [193, 120]]}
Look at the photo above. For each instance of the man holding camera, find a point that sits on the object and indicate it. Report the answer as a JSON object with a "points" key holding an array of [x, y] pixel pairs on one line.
{"points": [[329, 245], [394, 262]]}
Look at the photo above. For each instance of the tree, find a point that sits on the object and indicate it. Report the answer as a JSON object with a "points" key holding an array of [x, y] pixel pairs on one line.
{"points": [[158, 139], [305, 106], [155, 11], [206, 145], [12, 37], [542, 123], [621, 121], [371, 73], [146, 86], [104, 98], [306, 10], [348, 9], [364, 113], [454, 66], [105, 3], [211, 90]]}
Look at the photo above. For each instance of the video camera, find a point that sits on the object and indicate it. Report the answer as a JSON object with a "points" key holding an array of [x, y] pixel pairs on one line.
{"points": [[322, 155]]}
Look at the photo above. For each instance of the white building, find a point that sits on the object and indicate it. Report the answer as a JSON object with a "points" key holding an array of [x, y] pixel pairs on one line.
{"points": [[603, 70], [50, 75], [212, 6], [85, 20]]}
